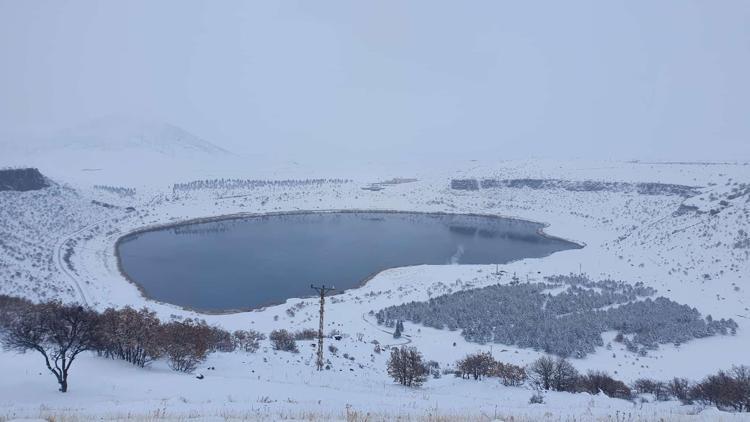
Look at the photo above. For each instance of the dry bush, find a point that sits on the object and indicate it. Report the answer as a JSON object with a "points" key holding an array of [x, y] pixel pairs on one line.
{"points": [[306, 334], [130, 335], [248, 341], [477, 365], [283, 340], [186, 344]]}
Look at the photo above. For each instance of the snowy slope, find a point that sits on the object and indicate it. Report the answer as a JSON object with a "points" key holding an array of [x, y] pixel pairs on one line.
{"points": [[691, 250]]}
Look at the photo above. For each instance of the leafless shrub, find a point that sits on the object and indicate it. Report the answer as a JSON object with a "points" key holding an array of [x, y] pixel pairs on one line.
{"points": [[477, 365], [283, 340], [306, 334], [248, 341], [130, 335], [598, 381], [510, 375], [186, 344]]}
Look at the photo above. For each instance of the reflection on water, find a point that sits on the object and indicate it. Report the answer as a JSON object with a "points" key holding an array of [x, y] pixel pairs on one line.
{"points": [[466, 231], [254, 261]]}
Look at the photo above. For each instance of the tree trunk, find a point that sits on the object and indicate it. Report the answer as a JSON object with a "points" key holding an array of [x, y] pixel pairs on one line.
{"points": [[64, 386]]}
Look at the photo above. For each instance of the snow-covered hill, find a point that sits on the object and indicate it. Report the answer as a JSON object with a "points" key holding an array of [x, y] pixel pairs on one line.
{"points": [[58, 242], [119, 150], [118, 134]]}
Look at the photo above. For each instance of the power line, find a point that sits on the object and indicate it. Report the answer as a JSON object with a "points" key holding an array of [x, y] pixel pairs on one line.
{"points": [[322, 290]]}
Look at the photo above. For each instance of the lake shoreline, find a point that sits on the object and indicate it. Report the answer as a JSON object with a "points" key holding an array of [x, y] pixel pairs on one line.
{"points": [[250, 215]]}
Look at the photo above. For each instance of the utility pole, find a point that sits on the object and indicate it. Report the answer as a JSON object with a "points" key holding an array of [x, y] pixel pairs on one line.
{"points": [[322, 290]]}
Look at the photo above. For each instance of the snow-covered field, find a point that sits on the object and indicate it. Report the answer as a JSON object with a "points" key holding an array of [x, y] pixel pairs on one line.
{"points": [[59, 243]]}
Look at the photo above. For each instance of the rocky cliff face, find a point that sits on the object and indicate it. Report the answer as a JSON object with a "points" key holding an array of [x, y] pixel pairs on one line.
{"points": [[22, 180]]}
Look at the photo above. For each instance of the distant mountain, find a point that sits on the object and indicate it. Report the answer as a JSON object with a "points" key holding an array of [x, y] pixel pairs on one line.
{"points": [[113, 134], [119, 152]]}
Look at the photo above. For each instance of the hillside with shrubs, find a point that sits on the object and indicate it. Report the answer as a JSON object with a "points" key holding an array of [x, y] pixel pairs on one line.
{"points": [[568, 323]]}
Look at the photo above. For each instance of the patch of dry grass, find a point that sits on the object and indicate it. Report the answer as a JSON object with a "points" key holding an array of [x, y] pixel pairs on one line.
{"points": [[352, 415]]}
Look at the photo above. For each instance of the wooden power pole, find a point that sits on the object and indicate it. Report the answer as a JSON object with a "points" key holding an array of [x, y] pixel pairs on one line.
{"points": [[322, 290]]}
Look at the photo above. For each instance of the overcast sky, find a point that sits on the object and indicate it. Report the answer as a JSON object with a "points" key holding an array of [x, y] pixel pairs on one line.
{"points": [[512, 79]]}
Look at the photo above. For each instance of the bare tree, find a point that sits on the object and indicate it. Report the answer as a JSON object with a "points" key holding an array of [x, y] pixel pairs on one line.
{"points": [[726, 389], [58, 332], [9, 307], [741, 375], [659, 389], [564, 376], [680, 389], [541, 371], [406, 367], [477, 365]]}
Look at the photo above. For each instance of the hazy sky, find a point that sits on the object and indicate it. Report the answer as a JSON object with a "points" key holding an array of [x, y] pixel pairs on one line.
{"points": [[613, 79]]}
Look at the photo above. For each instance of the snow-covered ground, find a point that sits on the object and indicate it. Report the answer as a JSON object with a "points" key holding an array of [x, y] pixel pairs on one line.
{"points": [[59, 243]]}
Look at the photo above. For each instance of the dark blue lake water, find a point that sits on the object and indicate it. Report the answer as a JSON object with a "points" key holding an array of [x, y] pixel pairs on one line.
{"points": [[255, 261]]}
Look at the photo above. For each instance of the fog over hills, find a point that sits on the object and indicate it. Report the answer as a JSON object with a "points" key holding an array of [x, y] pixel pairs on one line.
{"points": [[118, 133], [583, 79], [123, 133], [117, 148]]}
